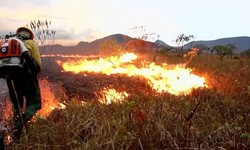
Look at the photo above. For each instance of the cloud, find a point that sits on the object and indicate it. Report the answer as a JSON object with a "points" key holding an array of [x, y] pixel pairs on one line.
{"points": [[82, 20], [88, 34], [10, 25], [39, 2]]}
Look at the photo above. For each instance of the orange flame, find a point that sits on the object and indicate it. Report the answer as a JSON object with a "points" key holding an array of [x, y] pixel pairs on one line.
{"points": [[49, 101], [177, 80], [111, 95], [68, 56]]}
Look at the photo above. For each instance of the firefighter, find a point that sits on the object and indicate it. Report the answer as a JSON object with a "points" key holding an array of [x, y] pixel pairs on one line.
{"points": [[23, 83]]}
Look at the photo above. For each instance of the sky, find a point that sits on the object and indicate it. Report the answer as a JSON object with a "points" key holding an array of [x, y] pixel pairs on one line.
{"points": [[88, 20]]}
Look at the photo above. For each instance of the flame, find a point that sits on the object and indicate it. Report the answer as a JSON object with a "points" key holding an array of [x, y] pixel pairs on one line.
{"points": [[49, 101], [128, 57], [111, 95], [68, 56], [110, 65], [176, 80]]}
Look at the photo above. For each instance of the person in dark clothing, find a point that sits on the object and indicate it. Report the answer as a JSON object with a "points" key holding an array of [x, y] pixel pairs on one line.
{"points": [[23, 83]]}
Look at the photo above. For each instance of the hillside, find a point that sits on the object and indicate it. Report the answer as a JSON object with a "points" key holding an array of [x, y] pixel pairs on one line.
{"points": [[92, 48], [162, 44], [243, 43]]}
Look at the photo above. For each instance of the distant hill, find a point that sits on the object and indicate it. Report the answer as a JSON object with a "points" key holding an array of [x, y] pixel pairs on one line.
{"points": [[162, 44], [92, 48], [243, 43]]}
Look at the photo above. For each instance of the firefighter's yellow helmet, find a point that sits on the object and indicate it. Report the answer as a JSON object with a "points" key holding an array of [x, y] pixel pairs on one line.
{"points": [[25, 29]]}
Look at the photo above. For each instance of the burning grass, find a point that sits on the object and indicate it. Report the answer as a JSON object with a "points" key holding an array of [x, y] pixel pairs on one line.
{"points": [[49, 99], [207, 118], [175, 79]]}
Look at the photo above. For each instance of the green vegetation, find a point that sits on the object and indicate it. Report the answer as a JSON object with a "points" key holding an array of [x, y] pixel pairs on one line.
{"points": [[223, 50], [218, 116]]}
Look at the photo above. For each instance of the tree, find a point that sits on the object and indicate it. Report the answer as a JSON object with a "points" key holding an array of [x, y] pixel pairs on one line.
{"points": [[181, 39], [141, 35], [230, 49], [211, 50], [220, 50]]}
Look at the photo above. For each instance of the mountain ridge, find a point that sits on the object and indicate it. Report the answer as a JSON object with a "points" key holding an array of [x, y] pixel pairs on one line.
{"points": [[93, 48], [241, 42]]}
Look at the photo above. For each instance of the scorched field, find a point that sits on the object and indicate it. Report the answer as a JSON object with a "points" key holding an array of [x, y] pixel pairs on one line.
{"points": [[133, 101]]}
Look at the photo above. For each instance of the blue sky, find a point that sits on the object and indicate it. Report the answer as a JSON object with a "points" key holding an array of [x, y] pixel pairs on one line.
{"points": [[82, 20]]}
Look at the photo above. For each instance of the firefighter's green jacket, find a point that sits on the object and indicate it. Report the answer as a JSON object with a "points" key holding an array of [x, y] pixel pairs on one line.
{"points": [[34, 51]]}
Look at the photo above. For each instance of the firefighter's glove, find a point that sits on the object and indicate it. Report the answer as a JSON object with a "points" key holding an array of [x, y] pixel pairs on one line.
{"points": [[22, 45]]}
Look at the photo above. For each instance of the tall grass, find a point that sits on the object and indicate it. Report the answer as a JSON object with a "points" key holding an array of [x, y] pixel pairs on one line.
{"points": [[213, 118]]}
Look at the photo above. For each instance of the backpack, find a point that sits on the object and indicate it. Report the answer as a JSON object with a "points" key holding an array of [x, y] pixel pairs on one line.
{"points": [[10, 57]]}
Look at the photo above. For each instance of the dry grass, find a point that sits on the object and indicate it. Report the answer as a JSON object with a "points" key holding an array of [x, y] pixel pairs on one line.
{"points": [[218, 117]]}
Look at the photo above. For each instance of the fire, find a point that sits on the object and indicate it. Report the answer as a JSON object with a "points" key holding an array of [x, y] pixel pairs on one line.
{"points": [[110, 65], [111, 95], [49, 101], [68, 56], [128, 57], [176, 80]]}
